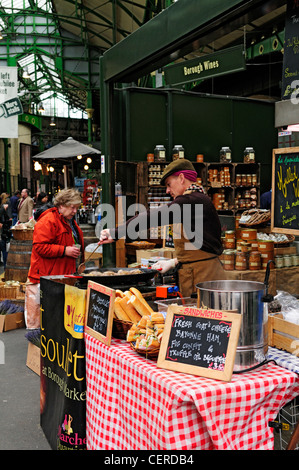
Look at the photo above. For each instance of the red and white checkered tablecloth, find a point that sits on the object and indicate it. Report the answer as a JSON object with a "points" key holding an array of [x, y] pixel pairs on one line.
{"points": [[133, 405]]}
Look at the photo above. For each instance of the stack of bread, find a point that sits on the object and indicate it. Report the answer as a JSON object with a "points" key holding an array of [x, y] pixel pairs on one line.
{"points": [[130, 306], [147, 328], [146, 334]]}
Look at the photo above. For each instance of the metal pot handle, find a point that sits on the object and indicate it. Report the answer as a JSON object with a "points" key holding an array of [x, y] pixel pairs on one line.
{"points": [[267, 297]]}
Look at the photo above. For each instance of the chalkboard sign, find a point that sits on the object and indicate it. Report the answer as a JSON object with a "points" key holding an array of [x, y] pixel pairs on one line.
{"points": [[285, 191], [290, 72], [200, 342], [99, 311]]}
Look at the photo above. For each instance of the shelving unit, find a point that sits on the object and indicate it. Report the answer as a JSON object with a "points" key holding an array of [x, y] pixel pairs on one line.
{"points": [[140, 183], [239, 191]]}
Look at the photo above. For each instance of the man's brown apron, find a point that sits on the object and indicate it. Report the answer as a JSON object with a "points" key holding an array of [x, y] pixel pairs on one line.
{"points": [[195, 265]]}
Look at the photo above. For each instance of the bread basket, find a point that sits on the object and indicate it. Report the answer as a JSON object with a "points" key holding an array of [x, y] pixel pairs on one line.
{"points": [[152, 353], [120, 328]]}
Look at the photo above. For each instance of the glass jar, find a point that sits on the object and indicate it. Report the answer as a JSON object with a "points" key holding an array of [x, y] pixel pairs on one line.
{"points": [[230, 240], [254, 261], [160, 152], [225, 154], [287, 261], [228, 260], [178, 152], [241, 261], [279, 261], [249, 155]]}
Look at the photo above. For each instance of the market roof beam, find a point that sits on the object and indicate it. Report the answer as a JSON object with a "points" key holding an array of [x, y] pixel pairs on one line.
{"points": [[184, 26]]}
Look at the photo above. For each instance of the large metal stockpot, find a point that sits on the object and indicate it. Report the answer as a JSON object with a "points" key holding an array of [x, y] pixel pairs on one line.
{"points": [[246, 298]]}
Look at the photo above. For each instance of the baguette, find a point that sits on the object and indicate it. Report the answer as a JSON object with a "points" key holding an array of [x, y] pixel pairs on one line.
{"points": [[119, 311], [129, 309], [141, 308], [140, 297], [157, 317], [142, 322], [119, 293]]}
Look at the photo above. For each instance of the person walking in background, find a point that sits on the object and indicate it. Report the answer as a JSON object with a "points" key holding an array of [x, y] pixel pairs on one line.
{"points": [[25, 207], [5, 223], [14, 202]]}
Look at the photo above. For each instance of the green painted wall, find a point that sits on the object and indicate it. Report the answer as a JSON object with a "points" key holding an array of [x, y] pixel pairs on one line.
{"points": [[202, 124]]}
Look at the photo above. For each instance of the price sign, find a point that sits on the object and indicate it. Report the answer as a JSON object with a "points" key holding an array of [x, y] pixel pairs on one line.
{"points": [[99, 312], [200, 342], [285, 191]]}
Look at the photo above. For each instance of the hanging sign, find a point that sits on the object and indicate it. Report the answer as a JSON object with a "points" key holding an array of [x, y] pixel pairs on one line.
{"points": [[290, 70], [200, 342], [285, 191], [99, 312], [10, 105], [211, 65]]}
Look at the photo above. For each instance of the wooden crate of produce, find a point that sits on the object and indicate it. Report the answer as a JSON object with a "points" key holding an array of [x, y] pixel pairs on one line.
{"points": [[283, 334]]}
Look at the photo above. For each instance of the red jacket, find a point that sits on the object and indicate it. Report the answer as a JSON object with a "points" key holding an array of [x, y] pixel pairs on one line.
{"points": [[50, 237]]}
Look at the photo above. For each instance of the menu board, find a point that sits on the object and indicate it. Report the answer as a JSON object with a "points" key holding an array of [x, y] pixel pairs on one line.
{"points": [[290, 71], [285, 191], [99, 312], [200, 342]]}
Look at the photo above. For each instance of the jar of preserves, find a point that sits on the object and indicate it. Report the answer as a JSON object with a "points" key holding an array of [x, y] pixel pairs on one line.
{"points": [[245, 247], [199, 158], [253, 179], [230, 239], [150, 157], [160, 152], [241, 261], [279, 261], [249, 180], [225, 154], [287, 261], [249, 234], [238, 180], [228, 260], [178, 152], [243, 180], [249, 155], [254, 261]]}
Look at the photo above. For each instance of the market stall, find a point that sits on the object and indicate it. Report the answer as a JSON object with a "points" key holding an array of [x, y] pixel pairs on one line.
{"points": [[131, 404]]}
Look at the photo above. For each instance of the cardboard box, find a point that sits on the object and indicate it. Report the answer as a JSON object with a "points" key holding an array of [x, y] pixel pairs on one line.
{"points": [[33, 358], [12, 321], [160, 252], [283, 334]]}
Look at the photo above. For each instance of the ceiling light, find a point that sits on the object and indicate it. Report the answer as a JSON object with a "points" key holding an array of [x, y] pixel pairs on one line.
{"points": [[86, 167], [51, 169], [1, 37], [26, 73], [52, 123], [79, 157], [41, 108], [89, 160]]}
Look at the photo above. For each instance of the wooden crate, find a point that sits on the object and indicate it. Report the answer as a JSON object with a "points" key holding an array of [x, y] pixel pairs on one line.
{"points": [[283, 334]]}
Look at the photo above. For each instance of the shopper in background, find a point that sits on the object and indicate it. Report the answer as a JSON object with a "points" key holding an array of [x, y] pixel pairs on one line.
{"points": [[57, 243], [266, 200], [5, 223], [195, 262], [14, 202], [25, 207]]}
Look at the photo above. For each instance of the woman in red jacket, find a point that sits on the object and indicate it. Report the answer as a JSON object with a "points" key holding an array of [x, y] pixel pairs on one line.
{"points": [[57, 243]]}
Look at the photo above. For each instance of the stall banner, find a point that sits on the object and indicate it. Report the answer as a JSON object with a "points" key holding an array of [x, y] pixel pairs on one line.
{"points": [[10, 105], [63, 384]]}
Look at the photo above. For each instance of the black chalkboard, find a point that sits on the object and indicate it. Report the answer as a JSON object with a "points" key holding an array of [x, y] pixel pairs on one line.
{"points": [[99, 311], [200, 342], [285, 191], [290, 71]]}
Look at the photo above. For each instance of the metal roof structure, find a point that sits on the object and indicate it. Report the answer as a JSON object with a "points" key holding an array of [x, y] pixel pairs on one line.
{"points": [[59, 43]]}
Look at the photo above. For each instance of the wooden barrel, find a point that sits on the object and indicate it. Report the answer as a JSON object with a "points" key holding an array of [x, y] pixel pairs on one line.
{"points": [[18, 260]]}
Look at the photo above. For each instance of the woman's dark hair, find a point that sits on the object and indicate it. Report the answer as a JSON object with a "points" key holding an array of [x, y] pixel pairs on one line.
{"points": [[41, 196]]}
